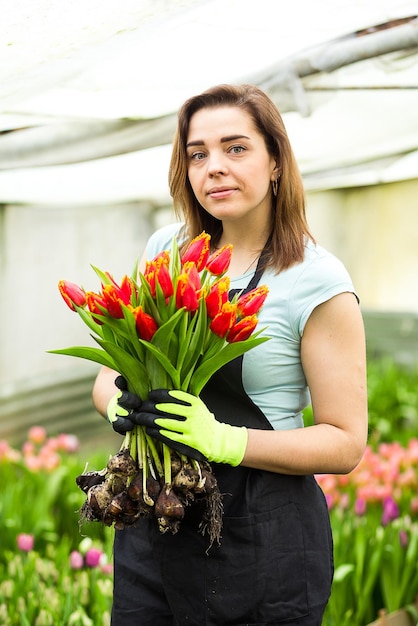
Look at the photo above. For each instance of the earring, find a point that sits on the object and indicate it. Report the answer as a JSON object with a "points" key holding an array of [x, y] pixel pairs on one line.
{"points": [[275, 186]]}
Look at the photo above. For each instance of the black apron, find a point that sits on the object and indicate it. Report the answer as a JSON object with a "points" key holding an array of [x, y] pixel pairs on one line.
{"points": [[274, 564]]}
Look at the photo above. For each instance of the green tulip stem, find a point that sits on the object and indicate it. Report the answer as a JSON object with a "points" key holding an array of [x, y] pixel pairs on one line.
{"points": [[167, 465], [127, 441], [154, 454], [133, 449], [147, 499]]}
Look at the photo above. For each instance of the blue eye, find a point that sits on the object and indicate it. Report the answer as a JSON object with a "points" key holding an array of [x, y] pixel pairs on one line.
{"points": [[237, 149], [197, 156]]}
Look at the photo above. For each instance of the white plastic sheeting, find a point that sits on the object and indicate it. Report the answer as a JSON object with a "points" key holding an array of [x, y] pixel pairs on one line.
{"points": [[92, 87]]}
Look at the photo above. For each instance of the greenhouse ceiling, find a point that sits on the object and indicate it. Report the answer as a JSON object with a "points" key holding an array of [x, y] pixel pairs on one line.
{"points": [[89, 89]]}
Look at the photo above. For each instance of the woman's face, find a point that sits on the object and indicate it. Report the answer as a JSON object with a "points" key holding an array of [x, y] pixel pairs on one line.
{"points": [[229, 167]]}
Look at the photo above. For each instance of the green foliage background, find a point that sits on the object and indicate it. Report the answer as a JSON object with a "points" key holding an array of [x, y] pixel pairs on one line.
{"points": [[39, 588]]}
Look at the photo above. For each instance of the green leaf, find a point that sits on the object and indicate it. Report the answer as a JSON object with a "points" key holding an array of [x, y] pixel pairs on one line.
{"points": [[86, 316], [162, 337], [160, 364], [135, 271], [228, 353], [199, 334], [187, 329], [175, 262], [104, 278], [164, 362], [130, 368], [91, 354], [132, 334], [342, 571], [148, 302], [116, 328]]}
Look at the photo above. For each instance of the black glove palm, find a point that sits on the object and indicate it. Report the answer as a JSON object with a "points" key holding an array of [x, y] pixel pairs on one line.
{"points": [[122, 408], [149, 413]]}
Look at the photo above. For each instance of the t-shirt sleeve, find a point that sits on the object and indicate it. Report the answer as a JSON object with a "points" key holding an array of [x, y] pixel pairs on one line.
{"points": [[161, 240], [321, 280]]}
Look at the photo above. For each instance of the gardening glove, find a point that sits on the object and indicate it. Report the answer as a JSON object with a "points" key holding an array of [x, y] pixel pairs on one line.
{"points": [[184, 422], [122, 406]]}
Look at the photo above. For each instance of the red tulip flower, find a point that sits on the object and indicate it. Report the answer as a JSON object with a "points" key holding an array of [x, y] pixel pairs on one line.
{"points": [[183, 296], [72, 294], [219, 261], [217, 297], [95, 304], [146, 325], [242, 329], [157, 270], [124, 290], [115, 296], [251, 302], [198, 251], [224, 320], [171, 326], [188, 288], [113, 302]]}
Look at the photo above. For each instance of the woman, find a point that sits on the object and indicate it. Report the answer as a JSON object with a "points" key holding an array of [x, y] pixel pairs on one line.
{"points": [[233, 174]]}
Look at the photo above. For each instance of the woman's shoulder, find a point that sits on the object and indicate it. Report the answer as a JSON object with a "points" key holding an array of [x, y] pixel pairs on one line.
{"points": [[162, 238], [318, 267], [322, 264]]}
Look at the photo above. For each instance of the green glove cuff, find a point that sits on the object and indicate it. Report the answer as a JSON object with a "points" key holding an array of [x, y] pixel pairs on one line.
{"points": [[114, 410], [231, 445]]}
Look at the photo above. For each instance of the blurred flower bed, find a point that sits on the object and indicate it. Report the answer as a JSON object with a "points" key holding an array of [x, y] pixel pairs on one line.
{"points": [[374, 515], [54, 571], [374, 509]]}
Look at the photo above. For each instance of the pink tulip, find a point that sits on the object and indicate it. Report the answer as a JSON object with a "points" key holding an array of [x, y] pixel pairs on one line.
{"points": [[390, 511], [25, 542], [107, 569], [403, 538], [76, 560], [37, 434], [360, 506], [93, 557], [68, 443]]}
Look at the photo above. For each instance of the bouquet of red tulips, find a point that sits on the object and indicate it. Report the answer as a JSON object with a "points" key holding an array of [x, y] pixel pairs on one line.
{"points": [[171, 327]]}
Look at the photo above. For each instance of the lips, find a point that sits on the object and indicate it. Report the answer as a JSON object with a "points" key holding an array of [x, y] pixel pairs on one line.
{"points": [[221, 192]]}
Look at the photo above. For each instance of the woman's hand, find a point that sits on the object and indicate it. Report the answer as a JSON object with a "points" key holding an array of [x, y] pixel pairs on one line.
{"points": [[122, 407], [184, 422]]}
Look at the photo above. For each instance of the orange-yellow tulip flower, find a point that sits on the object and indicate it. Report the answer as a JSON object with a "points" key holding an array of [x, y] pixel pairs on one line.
{"points": [[217, 297], [72, 294], [188, 288], [224, 320], [251, 302], [219, 261], [198, 251], [242, 329]]}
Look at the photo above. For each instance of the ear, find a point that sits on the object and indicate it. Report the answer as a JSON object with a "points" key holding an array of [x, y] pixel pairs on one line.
{"points": [[276, 172]]}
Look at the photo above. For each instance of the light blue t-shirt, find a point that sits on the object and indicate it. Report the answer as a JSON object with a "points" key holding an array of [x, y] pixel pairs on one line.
{"points": [[273, 376]]}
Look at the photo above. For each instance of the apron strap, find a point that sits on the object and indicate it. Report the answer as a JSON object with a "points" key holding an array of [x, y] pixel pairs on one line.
{"points": [[259, 271]]}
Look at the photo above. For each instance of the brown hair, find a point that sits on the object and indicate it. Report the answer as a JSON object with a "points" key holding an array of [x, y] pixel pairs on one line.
{"points": [[290, 228]]}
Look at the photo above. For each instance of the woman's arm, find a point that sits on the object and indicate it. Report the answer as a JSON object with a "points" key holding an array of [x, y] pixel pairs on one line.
{"points": [[334, 361], [104, 389]]}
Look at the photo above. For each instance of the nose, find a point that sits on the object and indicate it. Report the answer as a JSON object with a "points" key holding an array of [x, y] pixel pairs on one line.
{"points": [[217, 164]]}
